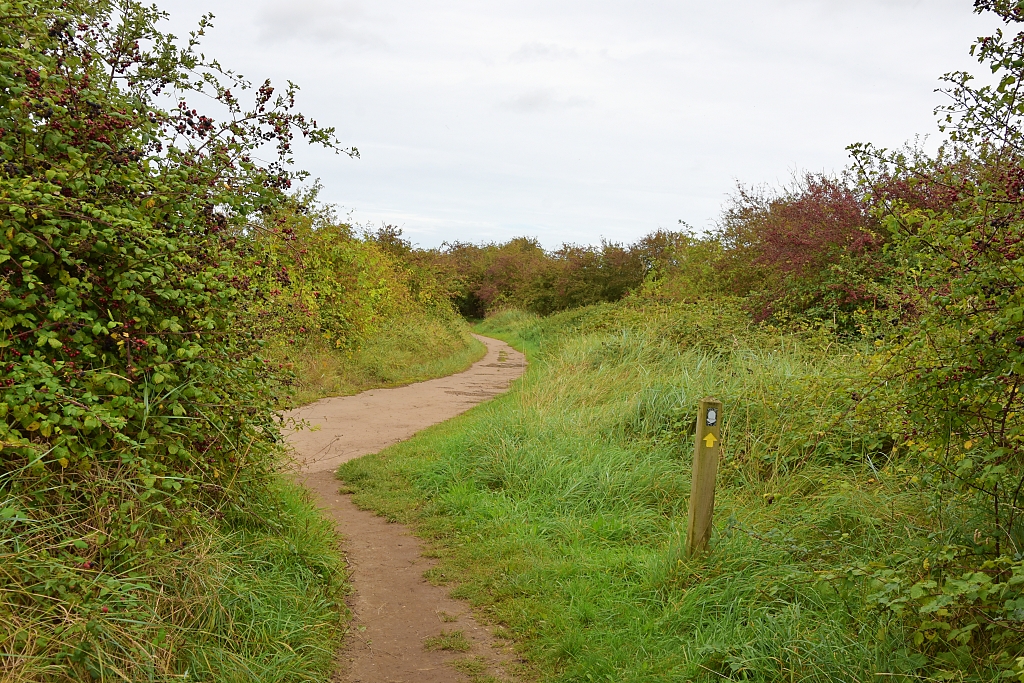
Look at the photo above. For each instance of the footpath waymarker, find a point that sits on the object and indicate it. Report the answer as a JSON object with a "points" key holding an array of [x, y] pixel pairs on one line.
{"points": [[706, 451]]}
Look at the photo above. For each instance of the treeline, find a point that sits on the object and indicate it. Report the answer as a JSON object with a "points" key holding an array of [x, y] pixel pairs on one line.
{"points": [[483, 278], [815, 249]]}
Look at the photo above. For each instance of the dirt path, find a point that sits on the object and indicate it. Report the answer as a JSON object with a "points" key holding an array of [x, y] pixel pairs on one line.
{"points": [[395, 610]]}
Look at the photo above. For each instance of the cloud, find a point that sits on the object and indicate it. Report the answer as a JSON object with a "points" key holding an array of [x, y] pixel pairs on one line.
{"points": [[543, 100], [315, 20], [536, 52], [690, 94]]}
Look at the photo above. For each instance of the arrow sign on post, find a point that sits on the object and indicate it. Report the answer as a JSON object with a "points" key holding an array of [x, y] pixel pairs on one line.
{"points": [[707, 450]]}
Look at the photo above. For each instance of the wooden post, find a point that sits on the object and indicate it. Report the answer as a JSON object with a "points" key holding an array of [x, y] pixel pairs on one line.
{"points": [[706, 451]]}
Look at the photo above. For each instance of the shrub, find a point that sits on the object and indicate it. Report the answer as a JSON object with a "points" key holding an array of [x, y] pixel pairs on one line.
{"points": [[521, 274], [132, 404], [308, 276], [949, 384], [812, 250]]}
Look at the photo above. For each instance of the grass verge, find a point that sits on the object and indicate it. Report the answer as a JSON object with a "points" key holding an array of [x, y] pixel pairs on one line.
{"points": [[269, 598], [415, 348], [559, 509], [252, 596]]}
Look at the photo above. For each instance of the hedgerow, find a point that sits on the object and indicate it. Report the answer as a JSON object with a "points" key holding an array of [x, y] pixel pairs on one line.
{"points": [[135, 411]]}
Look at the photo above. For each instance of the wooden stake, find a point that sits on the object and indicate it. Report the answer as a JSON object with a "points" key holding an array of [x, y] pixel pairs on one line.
{"points": [[707, 449]]}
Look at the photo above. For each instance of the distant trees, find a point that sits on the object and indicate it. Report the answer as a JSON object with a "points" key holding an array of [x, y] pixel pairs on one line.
{"points": [[482, 278], [814, 249]]}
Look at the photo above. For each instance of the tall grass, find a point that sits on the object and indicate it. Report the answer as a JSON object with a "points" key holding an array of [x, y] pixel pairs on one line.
{"points": [[253, 596], [559, 509]]}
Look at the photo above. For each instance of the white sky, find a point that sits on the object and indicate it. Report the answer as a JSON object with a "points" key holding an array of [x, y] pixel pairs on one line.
{"points": [[571, 121]]}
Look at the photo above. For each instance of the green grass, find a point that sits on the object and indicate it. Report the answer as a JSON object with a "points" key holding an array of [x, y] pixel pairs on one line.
{"points": [[268, 602], [559, 509], [416, 348], [451, 641], [257, 596], [474, 666]]}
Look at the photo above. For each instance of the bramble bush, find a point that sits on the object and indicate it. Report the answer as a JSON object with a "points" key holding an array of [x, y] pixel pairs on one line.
{"points": [[308, 275], [340, 310], [134, 408]]}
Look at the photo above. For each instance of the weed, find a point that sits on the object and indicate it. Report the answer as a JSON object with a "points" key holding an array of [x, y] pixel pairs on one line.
{"points": [[471, 667], [452, 641]]}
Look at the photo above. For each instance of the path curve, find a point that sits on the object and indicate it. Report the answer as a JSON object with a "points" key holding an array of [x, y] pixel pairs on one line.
{"points": [[394, 608]]}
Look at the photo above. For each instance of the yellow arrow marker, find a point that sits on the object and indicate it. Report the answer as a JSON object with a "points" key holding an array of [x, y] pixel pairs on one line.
{"points": [[710, 440]]}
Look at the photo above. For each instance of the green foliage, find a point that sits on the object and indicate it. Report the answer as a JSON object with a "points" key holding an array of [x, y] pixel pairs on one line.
{"points": [[687, 268], [134, 410], [339, 312], [308, 276], [950, 381], [520, 274], [255, 595]]}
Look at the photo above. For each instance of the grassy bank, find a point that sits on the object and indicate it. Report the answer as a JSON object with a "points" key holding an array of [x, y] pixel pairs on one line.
{"points": [[253, 596], [268, 598], [418, 347], [559, 509]]}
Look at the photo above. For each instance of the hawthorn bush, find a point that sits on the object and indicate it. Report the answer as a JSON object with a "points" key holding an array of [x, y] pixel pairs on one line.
{"points": [[948, 382], [134, 407], [811, 251]]}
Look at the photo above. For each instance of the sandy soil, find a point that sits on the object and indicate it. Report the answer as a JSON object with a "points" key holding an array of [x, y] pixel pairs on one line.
{"points": [[395, 609]]}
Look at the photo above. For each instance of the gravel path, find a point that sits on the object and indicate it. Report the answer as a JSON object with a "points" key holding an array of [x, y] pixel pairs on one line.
{"points": [[395, 609]]}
